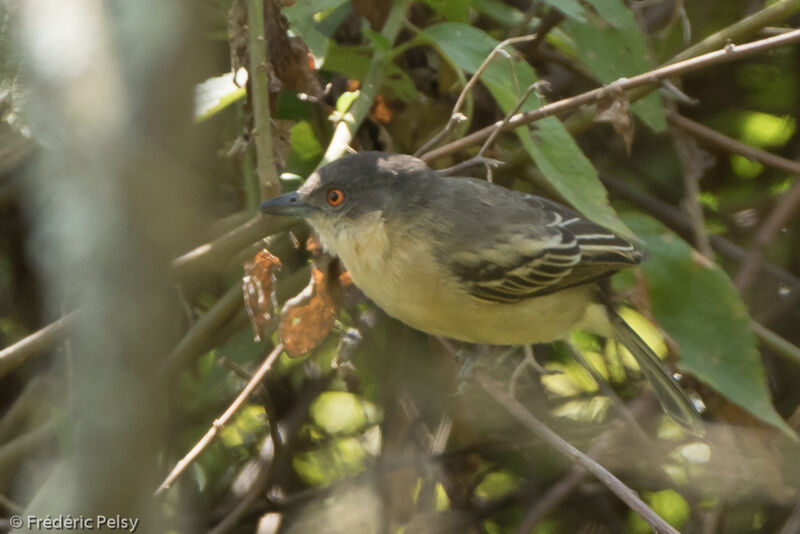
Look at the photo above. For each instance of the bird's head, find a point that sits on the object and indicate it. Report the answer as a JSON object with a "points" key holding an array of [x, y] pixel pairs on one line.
{"points": [[352, 187]]}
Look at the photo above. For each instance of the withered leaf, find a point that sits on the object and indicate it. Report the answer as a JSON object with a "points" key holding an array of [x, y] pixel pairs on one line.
{"points": [[259, 294], [307, 318], [381, 111], [288, 55], [614, 107]]}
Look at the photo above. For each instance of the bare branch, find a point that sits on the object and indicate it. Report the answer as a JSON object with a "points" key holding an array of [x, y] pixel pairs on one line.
{"points": [[201, 331], [783, 211], [674, 219], [216, 253], [614, 484], [732, 145], [258, 72], [776, 343], [792, 525], [212, 432], [348, 125], [694, 163], [456, 116], [729, 53], [40, 341]]}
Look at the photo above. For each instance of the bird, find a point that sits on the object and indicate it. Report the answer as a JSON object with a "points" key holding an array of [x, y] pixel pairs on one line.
{"points": [[470, 260]]}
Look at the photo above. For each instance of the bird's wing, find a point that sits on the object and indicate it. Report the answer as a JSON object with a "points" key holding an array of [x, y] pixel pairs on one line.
{"points": [[525, 259]]}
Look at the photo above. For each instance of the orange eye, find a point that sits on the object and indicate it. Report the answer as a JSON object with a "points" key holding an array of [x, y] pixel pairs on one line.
{"points": [[335, 197]]}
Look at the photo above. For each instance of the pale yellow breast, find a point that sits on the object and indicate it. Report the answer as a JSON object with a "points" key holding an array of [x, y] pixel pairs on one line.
{"points": [[397, 270]]}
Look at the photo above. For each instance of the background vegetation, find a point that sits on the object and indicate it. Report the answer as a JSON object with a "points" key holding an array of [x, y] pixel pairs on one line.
{"points": [[134, 149]]}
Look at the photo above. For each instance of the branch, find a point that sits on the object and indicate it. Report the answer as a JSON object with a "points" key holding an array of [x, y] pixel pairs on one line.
{"points": [[675, 220], [694, 163], [215, 253], [728, 53], [200, 333], [776, 12], [218, 424], [359, 109], [776, 343], [258, 72], [12, 453], [32, 396], [732, 145], [783, 211], [40, 341], [622, 491], [792, 525], [456, 116], [776, 220]]}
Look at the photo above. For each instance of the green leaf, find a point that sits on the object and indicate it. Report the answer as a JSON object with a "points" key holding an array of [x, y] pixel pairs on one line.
{"points": [[306, 150], [452, 10], [697, 305], [551, 147], [612, 46], [304, 20], [346, 100], [571, 8], [379, 41], [497, 10], [352, 61]]}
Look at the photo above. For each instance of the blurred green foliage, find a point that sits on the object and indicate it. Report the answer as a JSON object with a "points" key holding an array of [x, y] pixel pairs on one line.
{"points": [[362, 416]]}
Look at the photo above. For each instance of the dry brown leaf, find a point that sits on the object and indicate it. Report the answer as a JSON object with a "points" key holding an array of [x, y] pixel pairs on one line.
{"points": [[259, 294], [614, 107], [308, 318], [381, 111], [288, 55]]}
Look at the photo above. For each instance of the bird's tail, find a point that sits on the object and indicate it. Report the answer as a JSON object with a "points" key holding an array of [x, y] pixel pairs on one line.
{"points": [[670, 395]]}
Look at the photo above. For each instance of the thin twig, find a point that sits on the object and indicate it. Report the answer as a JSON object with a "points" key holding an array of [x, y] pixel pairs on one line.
{"points": [[258, 72], [728, 53], [12, 453], [552, 19], [552, 498], [605, 389], [732, 145], [533, 87], [218, 424], [778, 217], [776, 343], [237, 369], [275, 453], [771, 14], [10, 505], [199, 335], [784, 210], [40, 341], [348, 125], [626, 494], [792, 525], [32, 396], [674, 219], [456, 116], [215, 254], [694, 163]]}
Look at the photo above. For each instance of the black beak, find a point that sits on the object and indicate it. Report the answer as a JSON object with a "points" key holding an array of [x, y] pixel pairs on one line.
{"points": [[288, 204]]}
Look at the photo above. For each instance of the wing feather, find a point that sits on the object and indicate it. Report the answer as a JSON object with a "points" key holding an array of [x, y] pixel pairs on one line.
{"points": [[572, 251]]}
